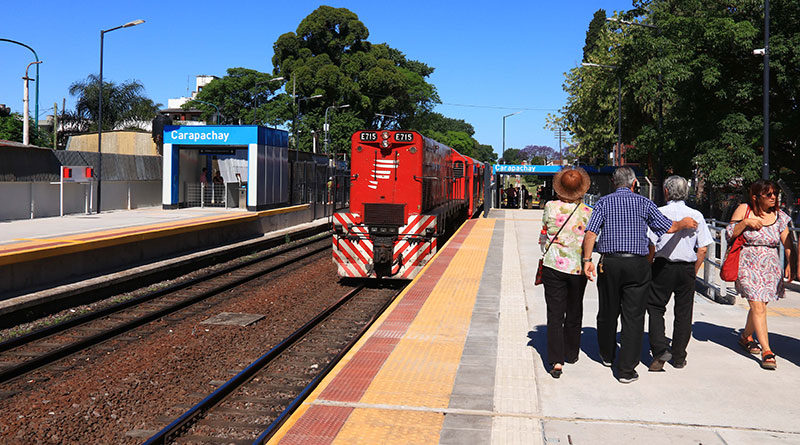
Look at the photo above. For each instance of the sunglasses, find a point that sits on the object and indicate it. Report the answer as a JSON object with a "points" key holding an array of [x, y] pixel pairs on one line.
{"points": [[769, 194]]}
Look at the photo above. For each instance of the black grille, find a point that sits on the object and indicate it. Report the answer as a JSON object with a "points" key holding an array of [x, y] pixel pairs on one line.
{"points": [[384, 214], [458, 169]]}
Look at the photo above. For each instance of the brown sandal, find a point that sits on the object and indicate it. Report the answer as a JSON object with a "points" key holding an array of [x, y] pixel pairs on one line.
{"points": [[749, 344], [768, 360]]}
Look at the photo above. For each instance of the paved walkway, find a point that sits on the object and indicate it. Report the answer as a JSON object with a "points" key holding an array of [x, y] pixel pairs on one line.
{"points": [[25, 230], [460, 359], [721, 397]]}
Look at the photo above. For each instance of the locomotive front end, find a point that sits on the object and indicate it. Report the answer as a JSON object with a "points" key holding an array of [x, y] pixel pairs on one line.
{"points": [[385, 234]]}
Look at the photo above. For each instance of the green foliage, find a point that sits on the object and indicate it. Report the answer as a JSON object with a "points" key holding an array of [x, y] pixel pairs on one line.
{"points": [[485, 153], [11, 127], [329, 55], [512, 156], [696, 69], [593, 35], [124, 105], [243, 97]]}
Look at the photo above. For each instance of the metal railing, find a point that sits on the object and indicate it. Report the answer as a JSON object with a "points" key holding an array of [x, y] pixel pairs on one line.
{"points": [[207, 195], [717, 289]]}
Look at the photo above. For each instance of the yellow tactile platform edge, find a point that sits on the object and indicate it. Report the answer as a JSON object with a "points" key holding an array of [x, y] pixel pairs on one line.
{"points": [[426, 425], [111, 238]]}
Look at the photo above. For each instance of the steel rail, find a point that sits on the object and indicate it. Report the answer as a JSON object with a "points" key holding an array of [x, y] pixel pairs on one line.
{"points": [[52, 356], [187, 419], [91, 316], [295, 403]]}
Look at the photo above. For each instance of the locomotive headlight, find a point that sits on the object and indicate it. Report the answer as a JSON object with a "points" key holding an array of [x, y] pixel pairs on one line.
{"points": [[385, 143], [412, 150], [359, 149], [385, 134]]}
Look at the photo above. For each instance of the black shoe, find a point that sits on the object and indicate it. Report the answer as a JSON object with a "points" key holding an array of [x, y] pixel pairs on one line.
{"points": [[679, 364], [658, 362], [573, 361], [606, 363], [556, 373], [629, 378]]}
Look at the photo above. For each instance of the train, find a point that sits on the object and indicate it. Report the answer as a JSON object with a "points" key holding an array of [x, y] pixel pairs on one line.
{"points": [[407, 193]]}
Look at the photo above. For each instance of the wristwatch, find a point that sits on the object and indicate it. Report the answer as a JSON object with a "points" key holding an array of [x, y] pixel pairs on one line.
{"points": [[587, 260]]}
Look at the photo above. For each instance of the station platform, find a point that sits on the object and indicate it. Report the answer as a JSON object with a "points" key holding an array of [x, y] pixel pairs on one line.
{"points": [[39, 254], [459, 358]]}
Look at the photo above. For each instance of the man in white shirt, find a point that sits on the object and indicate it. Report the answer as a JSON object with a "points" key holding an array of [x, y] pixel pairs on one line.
{"points": [[678, 256]]}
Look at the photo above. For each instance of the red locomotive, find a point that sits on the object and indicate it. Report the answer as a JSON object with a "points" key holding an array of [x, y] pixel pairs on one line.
{"points": [[406, 192]]}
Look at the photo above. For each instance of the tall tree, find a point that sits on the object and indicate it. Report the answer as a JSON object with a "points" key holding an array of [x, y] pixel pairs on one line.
{"points": [[329, 55], [691, 89], [124, 105], [243, 97], [594, 34]]}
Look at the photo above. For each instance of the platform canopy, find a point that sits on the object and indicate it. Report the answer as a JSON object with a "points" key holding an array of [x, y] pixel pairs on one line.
{"points": [[520, 169]]}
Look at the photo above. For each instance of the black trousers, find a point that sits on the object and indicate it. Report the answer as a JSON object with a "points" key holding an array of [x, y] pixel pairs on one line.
{"points": [[669, 278], [563, 294], [623, 288]]}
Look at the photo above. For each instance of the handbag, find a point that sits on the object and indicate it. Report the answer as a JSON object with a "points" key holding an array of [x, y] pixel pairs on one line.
{"points": [[730, 265], [539, 270]]}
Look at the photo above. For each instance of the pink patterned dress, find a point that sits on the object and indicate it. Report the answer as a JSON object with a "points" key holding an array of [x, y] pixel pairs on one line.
{"points": [[760, 269]]}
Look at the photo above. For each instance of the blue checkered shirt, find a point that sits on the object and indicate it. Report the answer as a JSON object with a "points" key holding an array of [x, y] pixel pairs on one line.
{"points": [[622, 218]]}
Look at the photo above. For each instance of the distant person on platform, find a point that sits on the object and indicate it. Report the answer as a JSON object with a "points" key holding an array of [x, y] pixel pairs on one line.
{"points": [[204, 176], [218, 178], [678, 257], [622, 218]]}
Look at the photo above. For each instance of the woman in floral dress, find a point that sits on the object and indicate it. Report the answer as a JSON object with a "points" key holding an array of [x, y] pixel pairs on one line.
{"points": [[760, 279], [562, 275]]}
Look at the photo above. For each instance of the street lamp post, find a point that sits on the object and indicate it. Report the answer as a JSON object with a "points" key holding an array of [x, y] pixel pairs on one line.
{"points": [[100, 108], [325, 127], [619, 111], [26, 107], [296, 112], [37, 61], [765, 167], [502, 155], [209, 103], [274, 79]]}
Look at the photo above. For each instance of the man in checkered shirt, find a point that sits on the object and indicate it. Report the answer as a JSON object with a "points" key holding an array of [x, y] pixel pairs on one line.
{"points": [[622, 218]]}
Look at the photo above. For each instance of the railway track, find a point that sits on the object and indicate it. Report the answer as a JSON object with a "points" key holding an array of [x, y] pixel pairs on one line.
{"points": [[252, 405], [43, 347]]}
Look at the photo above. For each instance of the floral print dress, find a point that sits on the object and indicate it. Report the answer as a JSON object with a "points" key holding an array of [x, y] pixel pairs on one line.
{"points": [[565, 252], [760, 269]]}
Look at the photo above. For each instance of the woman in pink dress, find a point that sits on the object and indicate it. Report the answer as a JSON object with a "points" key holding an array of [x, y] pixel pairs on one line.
{"points": [[760, 279]]}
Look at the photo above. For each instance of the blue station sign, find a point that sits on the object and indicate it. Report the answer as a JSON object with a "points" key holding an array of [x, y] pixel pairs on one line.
{"points": [[211, 135], [526, 169]]}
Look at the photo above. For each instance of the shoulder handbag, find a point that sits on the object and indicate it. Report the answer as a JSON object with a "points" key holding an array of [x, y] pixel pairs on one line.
{"points": [[539, 270], [730, 266]]}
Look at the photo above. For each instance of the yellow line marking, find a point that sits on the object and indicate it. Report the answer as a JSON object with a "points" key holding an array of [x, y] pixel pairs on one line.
{"points": [[113, 237], [360, 343], [371, 426], [49, 240]]}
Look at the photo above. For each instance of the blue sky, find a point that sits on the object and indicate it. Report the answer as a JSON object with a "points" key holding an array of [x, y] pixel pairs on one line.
{"points": [[491, 58]]}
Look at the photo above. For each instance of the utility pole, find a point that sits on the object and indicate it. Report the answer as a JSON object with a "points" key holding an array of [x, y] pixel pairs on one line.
{"points": [[26, 123], [55, 125]]}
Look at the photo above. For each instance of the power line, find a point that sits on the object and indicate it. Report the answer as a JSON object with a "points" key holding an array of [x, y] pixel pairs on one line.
{"points": [[498, 107]]}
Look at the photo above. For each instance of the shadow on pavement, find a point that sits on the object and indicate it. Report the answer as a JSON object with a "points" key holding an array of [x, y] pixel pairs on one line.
{"points": [[538, 341], [787, 348]]}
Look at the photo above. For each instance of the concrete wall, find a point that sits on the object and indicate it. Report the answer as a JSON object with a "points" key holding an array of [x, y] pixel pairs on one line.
{"points": [[24, 200], [120, 142]]}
